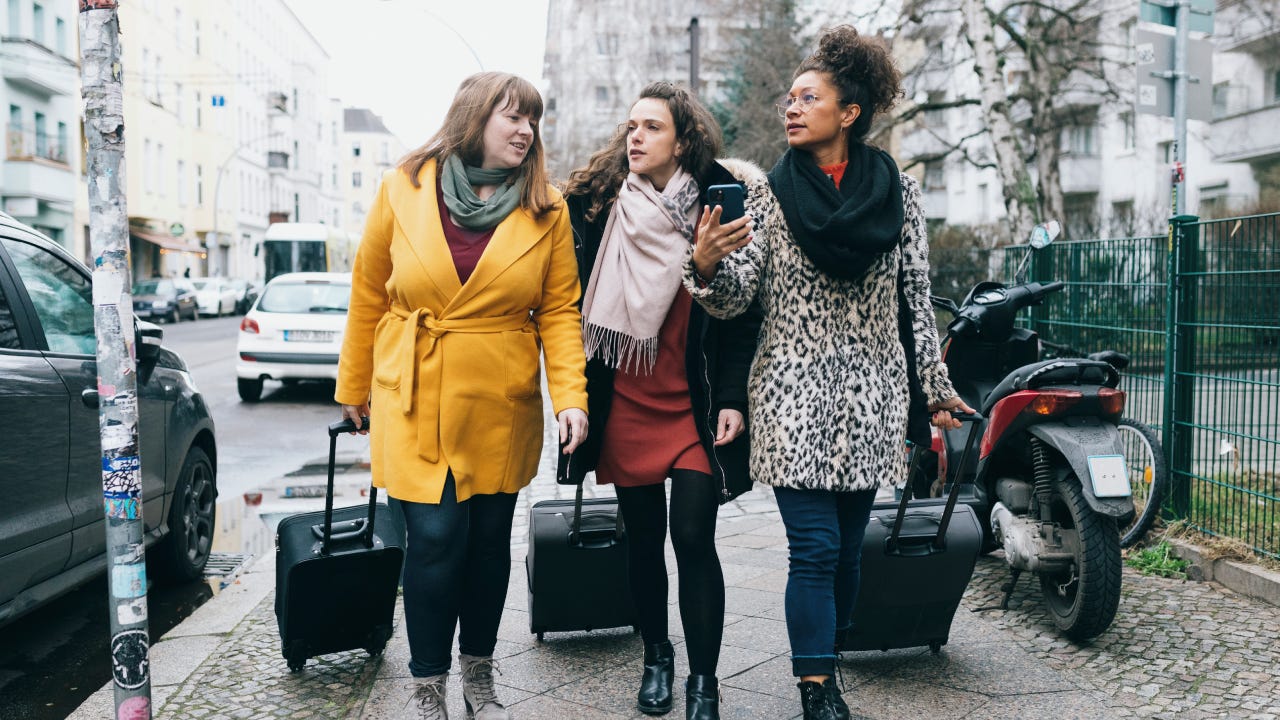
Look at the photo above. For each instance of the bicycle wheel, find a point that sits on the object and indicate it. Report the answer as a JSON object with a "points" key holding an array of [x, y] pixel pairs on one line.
{"points": [[1148, 476]]}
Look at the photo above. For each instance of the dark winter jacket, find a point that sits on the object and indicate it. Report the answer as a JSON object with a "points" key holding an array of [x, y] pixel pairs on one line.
{"points": [[717, 357]]}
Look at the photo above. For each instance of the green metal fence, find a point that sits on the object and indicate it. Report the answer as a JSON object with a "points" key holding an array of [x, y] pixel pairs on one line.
{"points": [[1198, 312]]}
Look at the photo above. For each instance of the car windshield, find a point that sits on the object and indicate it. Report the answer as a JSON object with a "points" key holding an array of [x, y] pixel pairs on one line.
{"points": [[152, 287], [202, 284], [305, 297]]}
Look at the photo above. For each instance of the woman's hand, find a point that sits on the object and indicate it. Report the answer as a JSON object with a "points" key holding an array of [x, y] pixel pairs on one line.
{"points": [[729, 427], [356, 414], [715, 241], [942, 413], [573, 428]]}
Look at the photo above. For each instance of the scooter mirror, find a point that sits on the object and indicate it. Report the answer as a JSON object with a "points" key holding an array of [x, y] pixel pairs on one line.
{"points": [[1045, 233]]}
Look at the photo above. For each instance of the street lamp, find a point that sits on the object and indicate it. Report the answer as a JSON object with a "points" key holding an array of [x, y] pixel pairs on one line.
{"points": [[452, 29], [217, 185]]}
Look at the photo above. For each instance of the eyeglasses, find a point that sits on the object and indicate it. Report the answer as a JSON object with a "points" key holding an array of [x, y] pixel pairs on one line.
{"points": [[802, 103]]}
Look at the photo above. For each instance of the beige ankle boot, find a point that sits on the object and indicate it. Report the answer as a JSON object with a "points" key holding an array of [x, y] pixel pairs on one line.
{"points": [[478, 691], [428, 698]]}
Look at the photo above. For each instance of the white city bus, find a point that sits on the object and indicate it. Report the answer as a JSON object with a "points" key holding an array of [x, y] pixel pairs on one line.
{"points": [[306, 247]]}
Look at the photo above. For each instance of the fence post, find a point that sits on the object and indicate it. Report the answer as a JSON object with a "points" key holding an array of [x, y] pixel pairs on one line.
{"points": [[1180, 353]]}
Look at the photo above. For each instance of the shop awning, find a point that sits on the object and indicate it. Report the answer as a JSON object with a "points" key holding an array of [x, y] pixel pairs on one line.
{"points": [[166, 241]]}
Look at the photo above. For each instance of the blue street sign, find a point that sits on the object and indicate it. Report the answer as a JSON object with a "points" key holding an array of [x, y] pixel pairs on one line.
{"points": [[218, 100]]}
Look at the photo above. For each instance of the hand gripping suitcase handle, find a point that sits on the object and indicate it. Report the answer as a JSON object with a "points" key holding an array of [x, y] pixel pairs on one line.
{"points": [[360, 528], [952, 496]]}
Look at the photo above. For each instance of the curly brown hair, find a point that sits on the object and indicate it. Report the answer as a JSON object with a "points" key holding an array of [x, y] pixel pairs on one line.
{"points": [[463, 133], [862, 70], [696, 130]]}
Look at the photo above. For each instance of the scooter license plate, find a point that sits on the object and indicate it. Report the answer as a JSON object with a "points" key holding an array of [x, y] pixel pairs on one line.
{"points": [[1109, 475]]}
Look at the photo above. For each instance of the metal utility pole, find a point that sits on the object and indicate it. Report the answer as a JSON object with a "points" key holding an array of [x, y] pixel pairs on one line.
{"points": [[1183, 24], [100, 74], [694, 51]]}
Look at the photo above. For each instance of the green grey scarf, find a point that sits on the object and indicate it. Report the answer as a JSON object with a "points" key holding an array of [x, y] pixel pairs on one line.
{"points": [[465, 207]]}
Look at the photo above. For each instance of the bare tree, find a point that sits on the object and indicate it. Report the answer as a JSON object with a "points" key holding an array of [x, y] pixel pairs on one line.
{"points": [[758, 72]]}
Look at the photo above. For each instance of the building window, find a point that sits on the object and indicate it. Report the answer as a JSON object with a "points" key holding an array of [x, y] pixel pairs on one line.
{"points": [[177, 27], [935, 175], [335, 176], [297, 212], [60, 152], [935, 117], [177, 101], [199, 110], [37, 23], [1078, 140], [160, 169], [1122, 224], [199, 185], [1275, 85], [42, 139], [15, 118], [1164, 152], [355, 149], [60, 36], [602, 97], [146, 165], [356, 179], [195, 36], [607, 45], [15, 18], [1128, 123], [182, 184]]}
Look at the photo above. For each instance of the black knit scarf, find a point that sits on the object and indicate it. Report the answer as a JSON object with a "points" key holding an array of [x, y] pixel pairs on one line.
{"points": [[843, 231]]}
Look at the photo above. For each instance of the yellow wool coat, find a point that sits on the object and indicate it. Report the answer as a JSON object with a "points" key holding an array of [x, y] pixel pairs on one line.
{"points": [[451, 370]]}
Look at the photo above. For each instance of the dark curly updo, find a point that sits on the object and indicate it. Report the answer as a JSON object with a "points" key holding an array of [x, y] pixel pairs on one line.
{"points": [[861, 68]]}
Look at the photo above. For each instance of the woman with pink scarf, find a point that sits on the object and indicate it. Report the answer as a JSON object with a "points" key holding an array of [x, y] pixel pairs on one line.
{"points": [[666, 383]]}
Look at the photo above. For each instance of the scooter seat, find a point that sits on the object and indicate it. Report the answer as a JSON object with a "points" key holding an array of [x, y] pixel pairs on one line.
{"points": [[1070, 371]]}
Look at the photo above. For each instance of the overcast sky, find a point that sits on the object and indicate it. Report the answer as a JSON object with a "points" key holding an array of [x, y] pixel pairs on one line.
{"points": [[400, 59]]}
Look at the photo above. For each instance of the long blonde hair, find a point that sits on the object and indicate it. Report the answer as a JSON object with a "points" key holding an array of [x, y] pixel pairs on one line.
{"points": [[463, 133]]}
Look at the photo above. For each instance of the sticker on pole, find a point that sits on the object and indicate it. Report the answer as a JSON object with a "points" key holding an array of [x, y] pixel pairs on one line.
{"points": [[1109, 476], [129, 663]]}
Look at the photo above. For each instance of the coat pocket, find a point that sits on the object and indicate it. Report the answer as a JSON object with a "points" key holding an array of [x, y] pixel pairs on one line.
{"points": [[521, 354], [386, 339]]}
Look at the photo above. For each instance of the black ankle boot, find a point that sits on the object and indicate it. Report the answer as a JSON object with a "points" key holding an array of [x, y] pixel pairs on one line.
{"points": [[837, 702], [654, 697], [816, 701], [702, 698]]}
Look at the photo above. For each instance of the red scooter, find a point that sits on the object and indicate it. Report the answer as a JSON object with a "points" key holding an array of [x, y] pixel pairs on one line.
{"points": [[1049, 483]]}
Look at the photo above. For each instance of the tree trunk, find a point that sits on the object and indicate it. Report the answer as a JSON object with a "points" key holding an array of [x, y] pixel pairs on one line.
{"points": [[100, 73], [1048, 139], [1019, 195]]}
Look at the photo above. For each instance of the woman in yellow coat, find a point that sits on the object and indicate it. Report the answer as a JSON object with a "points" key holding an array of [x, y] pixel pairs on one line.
{"points": [[465, 270]]}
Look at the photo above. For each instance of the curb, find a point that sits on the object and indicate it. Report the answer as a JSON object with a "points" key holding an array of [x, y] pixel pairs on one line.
{"points": [[1251, 580]]}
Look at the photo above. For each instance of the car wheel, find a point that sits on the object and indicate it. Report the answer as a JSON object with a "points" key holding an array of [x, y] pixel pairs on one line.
{"points": [[195, 313], [174, 317], [250, 390], [184, 552]]}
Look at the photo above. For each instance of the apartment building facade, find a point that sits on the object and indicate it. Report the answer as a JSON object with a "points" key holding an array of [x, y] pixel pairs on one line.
{"points": [[40, 92], [368, 150]]}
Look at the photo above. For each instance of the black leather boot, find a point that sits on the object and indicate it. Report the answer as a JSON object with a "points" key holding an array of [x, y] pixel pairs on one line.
{"points": [[654, 697], [837, 702], [816, 701], [702, 698]]}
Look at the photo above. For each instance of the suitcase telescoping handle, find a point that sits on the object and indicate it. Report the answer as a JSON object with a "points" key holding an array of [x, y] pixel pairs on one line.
{"points": [[575, 533], [358, 528], [939, 540]]}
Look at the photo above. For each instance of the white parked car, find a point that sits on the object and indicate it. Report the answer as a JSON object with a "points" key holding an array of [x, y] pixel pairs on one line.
{"points": [[214, 296], [293, 332]]}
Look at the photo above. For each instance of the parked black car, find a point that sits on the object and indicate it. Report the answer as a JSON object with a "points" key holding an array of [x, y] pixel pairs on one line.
{"points": [[165, 299], [51, 520], [246, 294]]}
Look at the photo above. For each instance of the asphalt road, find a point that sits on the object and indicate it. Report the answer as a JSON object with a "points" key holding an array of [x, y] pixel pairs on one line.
{"points": [[54, 658]]}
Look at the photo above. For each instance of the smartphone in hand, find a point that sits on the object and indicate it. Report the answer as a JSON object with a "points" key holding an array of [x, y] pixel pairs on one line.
{"points": [[732, 198]]}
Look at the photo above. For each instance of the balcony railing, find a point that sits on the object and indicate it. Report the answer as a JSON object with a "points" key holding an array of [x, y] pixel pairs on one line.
{"points": [[23, 144]]}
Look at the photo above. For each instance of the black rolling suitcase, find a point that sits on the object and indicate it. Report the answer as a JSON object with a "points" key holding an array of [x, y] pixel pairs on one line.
{"points": [[337, 572], [917, 559], [577, 566]]}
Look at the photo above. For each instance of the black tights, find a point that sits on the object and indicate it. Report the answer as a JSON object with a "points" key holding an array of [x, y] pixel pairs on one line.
{"points": [[694, 503]]}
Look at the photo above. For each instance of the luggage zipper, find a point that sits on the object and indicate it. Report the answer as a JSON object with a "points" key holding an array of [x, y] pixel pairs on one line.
{"points": [[711, 422]]}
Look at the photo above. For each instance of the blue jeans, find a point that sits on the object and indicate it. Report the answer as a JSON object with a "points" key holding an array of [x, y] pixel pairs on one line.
{"points": [[456, 569], [824, 533]]}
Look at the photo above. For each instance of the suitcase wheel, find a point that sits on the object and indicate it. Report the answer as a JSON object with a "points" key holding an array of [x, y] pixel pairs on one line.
{"points": [[935, 647], [376, 650], [540, 636], [296, 663]]}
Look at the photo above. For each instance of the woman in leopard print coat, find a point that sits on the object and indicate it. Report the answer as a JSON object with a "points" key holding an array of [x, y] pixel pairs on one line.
{"points": [[838, 263]]}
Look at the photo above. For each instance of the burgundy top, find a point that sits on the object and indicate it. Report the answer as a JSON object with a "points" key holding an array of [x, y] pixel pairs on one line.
{"points": [[651, 428], [466, 246]]}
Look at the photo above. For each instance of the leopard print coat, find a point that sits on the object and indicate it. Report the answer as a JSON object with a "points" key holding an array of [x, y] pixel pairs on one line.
{"points": [[828, 390]]}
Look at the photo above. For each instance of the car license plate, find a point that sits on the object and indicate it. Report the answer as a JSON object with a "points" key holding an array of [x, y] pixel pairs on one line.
{"points": [[305, 491], [1109, 475], [308, 335]]}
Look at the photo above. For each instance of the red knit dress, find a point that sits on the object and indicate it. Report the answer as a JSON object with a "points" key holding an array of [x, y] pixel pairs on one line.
{"points": [[650, 430]]}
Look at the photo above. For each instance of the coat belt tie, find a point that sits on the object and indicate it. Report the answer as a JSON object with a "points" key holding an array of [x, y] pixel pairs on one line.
{"points": [[434, 328]]}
